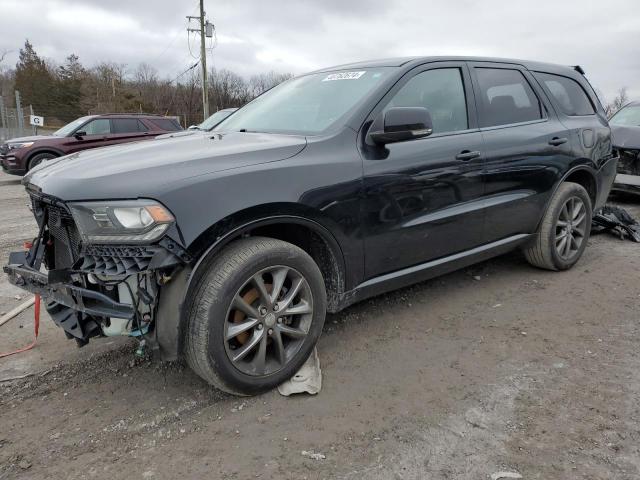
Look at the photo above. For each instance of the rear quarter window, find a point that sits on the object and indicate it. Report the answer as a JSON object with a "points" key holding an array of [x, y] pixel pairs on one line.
{"points": [[127, 125], [168, 124], [569, 94]]}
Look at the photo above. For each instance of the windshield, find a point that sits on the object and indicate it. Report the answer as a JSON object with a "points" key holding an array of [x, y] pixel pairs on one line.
{"points": [[306, 105], [215, 119], [70, 127], [628, 117]]}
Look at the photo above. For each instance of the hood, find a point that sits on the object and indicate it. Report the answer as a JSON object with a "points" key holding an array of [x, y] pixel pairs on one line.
{"points": [[625, 137], [146, 168], [32, 138]]}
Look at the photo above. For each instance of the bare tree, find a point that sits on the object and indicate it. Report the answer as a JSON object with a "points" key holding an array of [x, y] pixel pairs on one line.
{"points": [[72, 89], [261, 83], [618, 102], [228, 89]]}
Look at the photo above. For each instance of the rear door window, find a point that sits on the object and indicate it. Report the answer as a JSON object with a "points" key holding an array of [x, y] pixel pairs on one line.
{"points": [[506, 97], [568, 93], [127, 125], [99, 126], [441, 92]]}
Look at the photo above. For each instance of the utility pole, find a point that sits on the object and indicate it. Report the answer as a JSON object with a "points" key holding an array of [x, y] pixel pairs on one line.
{"points": [[204, 31]]}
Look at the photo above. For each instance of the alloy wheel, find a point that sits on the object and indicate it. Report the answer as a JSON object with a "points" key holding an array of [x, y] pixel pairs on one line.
{"points": [[571, 228], [268, 320]]}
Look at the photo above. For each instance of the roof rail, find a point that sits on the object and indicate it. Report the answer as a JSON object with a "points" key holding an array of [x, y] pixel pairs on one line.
{"points": [[135, 114]]}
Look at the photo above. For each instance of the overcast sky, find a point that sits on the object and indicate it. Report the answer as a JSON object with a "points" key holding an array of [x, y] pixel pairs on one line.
{"points": [[299, 35]]}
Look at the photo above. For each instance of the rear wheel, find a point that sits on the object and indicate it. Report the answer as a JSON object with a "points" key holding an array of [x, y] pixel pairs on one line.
{"points": [[564, 232], [255, 315], [39, 158]]}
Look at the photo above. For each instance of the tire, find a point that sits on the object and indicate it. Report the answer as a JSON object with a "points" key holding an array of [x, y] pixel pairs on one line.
{"points": [[210, 348], [39, 158], [548, 250]]}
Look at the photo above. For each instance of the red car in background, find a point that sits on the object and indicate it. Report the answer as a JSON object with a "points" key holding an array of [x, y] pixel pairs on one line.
{"points": [[19, 155]]}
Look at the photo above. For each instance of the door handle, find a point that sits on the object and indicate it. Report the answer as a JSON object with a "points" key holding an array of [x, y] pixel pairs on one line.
{"points": [[555, 141], [466, 155]]}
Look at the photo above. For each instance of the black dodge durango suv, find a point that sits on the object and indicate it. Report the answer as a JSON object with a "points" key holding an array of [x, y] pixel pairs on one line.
{"points": [[228, 248]]}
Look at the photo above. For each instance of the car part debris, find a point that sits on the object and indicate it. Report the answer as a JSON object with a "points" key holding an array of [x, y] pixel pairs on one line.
{"points": [[36, 328], [313, 455], [308, 379], [499, 475], [16, 311], [617, 221]]}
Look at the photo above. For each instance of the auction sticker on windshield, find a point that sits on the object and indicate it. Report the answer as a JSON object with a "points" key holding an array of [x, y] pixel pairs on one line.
{"points": [[344, 76]]}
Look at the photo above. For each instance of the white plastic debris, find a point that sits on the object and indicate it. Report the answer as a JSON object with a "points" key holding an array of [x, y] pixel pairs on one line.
{"points": [[308, 379], [499, 475], [313, 455]]}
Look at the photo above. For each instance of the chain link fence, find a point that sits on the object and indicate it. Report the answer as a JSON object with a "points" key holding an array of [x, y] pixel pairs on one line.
{"points": [[14, 121]]}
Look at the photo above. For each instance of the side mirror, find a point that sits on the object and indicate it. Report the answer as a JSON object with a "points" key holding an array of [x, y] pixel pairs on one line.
{"points": [[404, 123], [80, 134], [193, 127]]}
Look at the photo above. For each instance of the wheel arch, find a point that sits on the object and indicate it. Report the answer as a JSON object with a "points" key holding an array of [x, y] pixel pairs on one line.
{"points": [[586, 177], [583, 174], [304, 231], [51, 150]]}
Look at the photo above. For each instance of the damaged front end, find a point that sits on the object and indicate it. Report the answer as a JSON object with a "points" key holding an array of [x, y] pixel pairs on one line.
{"points": [[626, 141], [628, 177], [99, 266]]}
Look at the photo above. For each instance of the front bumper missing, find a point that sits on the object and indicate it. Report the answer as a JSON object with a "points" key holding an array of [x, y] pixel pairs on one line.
{"points": [[628, 177], [627, 183], [49, 287]]}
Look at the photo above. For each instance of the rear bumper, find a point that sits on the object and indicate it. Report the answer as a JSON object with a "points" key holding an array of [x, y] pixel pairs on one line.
{"points": [[72, 296]]}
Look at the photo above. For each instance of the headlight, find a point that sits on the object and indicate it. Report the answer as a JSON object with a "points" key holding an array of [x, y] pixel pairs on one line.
{"points": [[15, 146], [136, 221]]}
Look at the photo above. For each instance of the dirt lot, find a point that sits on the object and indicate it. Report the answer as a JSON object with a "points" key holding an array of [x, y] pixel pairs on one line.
{"points": [[501, 367]]}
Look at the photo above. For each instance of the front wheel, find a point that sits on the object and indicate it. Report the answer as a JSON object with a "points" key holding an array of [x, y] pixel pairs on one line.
{"points": [[255, 315], [564, 232], [39, 158]]}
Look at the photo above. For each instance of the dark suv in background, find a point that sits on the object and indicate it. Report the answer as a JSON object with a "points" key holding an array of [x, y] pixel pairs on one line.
{"points": [[228, 248], [19, 155]]}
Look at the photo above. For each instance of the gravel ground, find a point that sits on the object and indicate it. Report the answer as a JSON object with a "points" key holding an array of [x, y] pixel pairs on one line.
{"points": [[500, 367]]}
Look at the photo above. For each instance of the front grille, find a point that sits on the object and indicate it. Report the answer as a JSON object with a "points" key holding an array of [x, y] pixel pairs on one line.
{"points": [[65, 235], [62, 231], [4, 149]]}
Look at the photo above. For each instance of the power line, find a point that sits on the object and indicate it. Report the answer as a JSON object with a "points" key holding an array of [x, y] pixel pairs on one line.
{"points": [[173, 39], [185, 72], [167, 47]]}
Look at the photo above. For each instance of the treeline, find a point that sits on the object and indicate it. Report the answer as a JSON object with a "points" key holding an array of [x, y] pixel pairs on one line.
{"points": [[64, 92]]}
